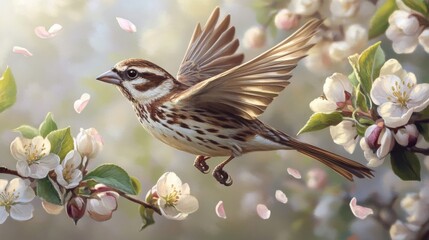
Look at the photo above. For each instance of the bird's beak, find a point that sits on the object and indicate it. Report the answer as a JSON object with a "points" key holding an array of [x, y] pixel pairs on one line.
{"points": [[110, 77]]}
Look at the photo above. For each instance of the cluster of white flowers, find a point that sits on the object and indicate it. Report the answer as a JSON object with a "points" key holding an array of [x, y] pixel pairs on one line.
{"points": [[172, 197], [345, 30], [397, 95], [35, 161], [416, 206], [406, 30]]}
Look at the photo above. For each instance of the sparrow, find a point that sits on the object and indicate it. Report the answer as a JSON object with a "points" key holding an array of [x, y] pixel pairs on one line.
{"points": [[210, 108]]}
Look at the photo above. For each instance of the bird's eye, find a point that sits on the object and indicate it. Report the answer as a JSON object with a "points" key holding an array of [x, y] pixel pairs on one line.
{"points": [[132, 74]]}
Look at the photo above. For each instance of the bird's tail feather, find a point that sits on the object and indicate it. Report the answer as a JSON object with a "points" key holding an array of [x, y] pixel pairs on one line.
{"points": [[339, 164]]}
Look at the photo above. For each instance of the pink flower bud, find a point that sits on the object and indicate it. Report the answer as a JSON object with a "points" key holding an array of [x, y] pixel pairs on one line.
{"points": [[102, 203], [379, 140], [286, 20], [407, 136], [76, 208]]}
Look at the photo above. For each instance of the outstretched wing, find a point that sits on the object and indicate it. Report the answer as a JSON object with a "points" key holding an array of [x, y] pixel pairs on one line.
{"points": [[211, 51], [248, 89]]}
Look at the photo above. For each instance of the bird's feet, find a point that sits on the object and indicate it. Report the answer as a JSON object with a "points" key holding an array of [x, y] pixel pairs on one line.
{"points": [[221, 176], [200, 164]]}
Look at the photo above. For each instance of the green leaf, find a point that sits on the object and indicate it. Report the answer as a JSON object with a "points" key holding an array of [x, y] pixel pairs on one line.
{"points": [[7, 90], [112, 176], [380, 20], [46, 190], [136, 184], [27, 131], [417, 5], [61, 142], [319, 121], [352, 77], [361, 100], [47, 126], [369, 64], [147, 217], [405, 164]]}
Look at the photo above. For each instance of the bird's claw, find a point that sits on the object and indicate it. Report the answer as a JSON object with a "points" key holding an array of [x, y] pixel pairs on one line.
{"points": [[222, 177], [200, 164]]}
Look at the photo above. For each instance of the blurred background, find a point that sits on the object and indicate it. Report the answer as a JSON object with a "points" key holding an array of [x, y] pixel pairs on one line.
{"points": [[91, 42]]}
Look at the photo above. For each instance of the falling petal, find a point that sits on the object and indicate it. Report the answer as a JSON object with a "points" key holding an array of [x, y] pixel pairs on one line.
{"points": [[41, 32], [281, 196], [294, 173], [81, 103], [55, 28], [263, 211], [22, 51], [220, 210], [126, 25], [359, 211]]}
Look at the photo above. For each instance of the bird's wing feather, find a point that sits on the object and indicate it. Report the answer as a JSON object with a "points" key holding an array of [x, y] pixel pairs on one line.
{"points": [[211, 51], [248, 89]]}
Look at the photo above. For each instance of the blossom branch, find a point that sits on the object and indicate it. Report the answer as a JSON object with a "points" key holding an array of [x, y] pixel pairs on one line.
{"points": [[5, 170], [421, 150], [138, 201]]}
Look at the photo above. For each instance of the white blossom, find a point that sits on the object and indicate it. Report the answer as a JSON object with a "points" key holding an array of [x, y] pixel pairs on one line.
{"points": [[344, 8], [377, 144], [317, 178], [401, 231], [254, 37], [304, 7], [175, 201], [403, 30], [68, 173], [14, 200], [398, 95], [355, 39], [345, 134], [34, 157], [416, 208], [102, 203], [337, 92], [89, 142]]}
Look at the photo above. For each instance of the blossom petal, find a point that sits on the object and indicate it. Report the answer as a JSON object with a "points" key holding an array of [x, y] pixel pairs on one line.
{"points": [[381, 91], [294, 173], [281, 196], [3, 184], [21, 188], [54, 29], [21, 212], [73, 159], [344, 134], [393, 67], [386, 144], [323, 105], [419, 97], [359, 211], [263, 211], [187, 204], [167, 183], [220, 210], [373, 160], [17, 148], [22, 51], [126, 25], [3, 214], [424, 39], [394, 115], [81, 103], [335, 86], [41, 32], [51, 208], [186, 189], [168, 211], [22, 168], [50, 161]]}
